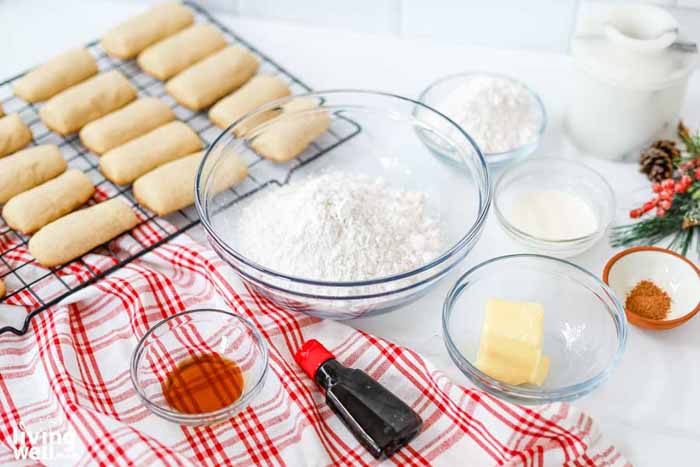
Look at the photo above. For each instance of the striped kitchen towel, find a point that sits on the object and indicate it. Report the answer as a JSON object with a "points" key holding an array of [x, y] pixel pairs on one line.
{"points": [[66, 397]]}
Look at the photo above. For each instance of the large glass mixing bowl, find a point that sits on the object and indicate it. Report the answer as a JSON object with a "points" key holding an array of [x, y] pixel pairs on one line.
{"points": [[372, 134]]}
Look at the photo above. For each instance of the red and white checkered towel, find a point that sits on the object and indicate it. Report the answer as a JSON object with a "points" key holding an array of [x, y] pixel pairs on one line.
{"points": [[65, 388]]}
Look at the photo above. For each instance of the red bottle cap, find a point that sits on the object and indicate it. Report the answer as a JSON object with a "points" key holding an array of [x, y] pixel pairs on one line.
{"points": [[312, 355]]}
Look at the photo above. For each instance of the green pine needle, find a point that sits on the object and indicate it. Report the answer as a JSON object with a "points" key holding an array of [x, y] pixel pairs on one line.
{"points": [[654, 230]]}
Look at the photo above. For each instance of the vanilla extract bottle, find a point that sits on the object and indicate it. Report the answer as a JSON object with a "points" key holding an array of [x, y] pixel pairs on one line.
{"points": [[382, 422]]}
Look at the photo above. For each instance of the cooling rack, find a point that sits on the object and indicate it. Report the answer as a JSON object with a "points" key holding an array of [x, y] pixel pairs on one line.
{"points": [[32, 288]]}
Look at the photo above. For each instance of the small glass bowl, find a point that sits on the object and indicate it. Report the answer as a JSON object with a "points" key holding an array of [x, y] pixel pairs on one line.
{"points": [[436, 94], [190, 333], [585, 328], [560, 175]]}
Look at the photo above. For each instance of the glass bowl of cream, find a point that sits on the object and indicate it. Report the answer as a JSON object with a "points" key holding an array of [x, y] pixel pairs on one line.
{"points": [[554, 206]]}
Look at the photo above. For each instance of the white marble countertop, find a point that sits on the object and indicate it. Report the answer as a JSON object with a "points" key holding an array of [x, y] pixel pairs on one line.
{"points": [[650, 406]]}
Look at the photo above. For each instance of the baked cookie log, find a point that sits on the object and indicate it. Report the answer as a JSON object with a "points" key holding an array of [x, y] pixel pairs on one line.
{"points": [[171, 186], [125, 124], [77, 233], [14, 134], [204, 83], [129, 38], [29, 211], [259, 90], [56, 75], [287, 135], [126, 163], [75, 107], [170, 56], [28, 168]]}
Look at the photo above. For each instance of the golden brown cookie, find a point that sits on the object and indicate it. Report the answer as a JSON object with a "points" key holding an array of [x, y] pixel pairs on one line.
{"points": [[56, 75], [259, 90], [288, 134], [14, 134], [204, 83], [125, 124], [170, 56], [31, 210], [129, 38], [77, 106], [77, 233], [171, 186], [28, 168], [127, 162]]}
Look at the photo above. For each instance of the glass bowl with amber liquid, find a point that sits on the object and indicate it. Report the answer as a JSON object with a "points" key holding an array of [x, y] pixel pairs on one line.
{"points": [[199, 367]]}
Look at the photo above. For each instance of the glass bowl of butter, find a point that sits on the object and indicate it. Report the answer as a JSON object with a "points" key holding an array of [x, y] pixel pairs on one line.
{"points": [[533, 329]]}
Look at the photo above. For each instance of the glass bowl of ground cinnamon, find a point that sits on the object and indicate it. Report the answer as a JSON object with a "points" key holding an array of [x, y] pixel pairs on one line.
{"points": [[660, 288], [199, 367]]}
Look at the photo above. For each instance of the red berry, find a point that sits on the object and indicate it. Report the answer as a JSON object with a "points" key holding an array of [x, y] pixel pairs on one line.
{"points": [[648, 206], [660, 212], [680, 187], [666, 195], [668, 184], [656, 187], [685, 179], [665, 204], [635, 213]]}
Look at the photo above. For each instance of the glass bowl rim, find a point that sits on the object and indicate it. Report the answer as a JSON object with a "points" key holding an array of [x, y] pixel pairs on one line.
{"points": [[572, 242], [502, 155], [474, 230], [174, 415], [524, 393]]}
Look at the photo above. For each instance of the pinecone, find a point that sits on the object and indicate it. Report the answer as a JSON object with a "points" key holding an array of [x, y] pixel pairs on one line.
{"points": [[657, 161], [669, 147]]}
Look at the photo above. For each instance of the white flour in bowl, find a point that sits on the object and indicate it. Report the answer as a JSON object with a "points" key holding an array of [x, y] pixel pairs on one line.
{"points": [[338, 227], [501, 115]]}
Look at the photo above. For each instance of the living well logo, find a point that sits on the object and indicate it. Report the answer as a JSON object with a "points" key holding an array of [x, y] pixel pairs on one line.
{"points": [[42, 443]]}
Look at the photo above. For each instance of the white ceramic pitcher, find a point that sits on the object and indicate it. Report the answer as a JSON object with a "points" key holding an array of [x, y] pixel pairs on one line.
{"points": [[632, 69]]}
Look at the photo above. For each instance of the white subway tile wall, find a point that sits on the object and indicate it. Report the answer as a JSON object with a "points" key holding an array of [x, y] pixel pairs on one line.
{"points": [[539, 24], [362, 15], [667, 3], [531, 24]]}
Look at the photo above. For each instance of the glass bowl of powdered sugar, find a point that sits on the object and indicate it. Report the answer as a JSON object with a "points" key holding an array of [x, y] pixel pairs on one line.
{"points": [[344, 212], [505, 117]]}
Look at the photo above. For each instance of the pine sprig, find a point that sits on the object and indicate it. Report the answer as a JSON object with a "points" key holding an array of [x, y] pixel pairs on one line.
{"points": [[678, 223], [692, 142], [655, 229]]}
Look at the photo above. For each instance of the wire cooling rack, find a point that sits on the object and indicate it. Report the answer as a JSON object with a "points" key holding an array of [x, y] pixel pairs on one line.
{"points": [[33, 288]]}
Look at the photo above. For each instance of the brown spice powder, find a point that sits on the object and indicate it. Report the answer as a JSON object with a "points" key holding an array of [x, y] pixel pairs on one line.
{"points": [[648, 300]]}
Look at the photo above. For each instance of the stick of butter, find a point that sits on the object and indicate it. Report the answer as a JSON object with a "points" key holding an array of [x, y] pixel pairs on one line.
{"points": [[510, 349]]}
